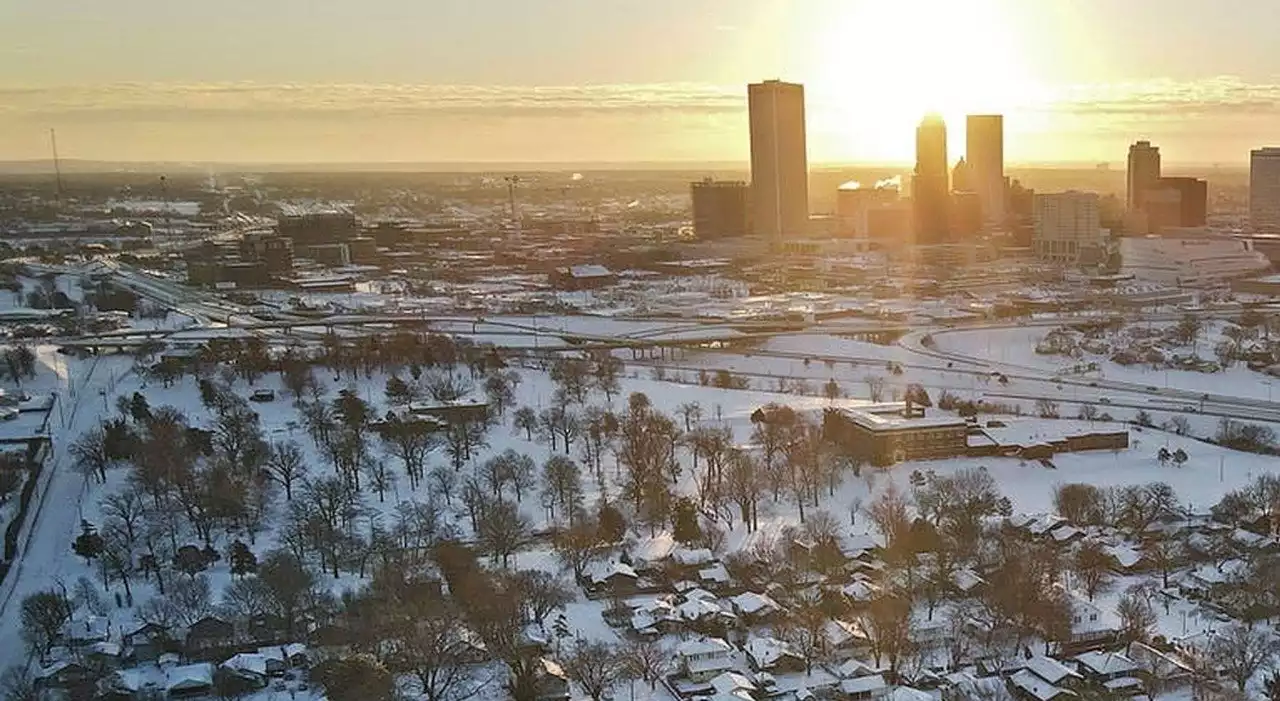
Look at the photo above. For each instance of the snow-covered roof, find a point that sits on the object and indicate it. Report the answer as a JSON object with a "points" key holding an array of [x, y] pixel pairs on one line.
{"points": [[601, 572], [1125, 555], [839, 633], [860, 590], [732, 681], [88, 628], [698, 609], [766, 652], [1050, 669], [703, 646], [1032, 685], [553, 668], [966, 579], [250, 662], [750, 603], [906, 693], [655, 549], [1106, 663], [1122, 683], [852, 669], [715, 573], [692, 558], [862, 685], [188, 677], [283, 653]]}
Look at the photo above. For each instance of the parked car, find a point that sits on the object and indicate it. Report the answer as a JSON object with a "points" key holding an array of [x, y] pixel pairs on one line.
{"points": [[263, 395]]}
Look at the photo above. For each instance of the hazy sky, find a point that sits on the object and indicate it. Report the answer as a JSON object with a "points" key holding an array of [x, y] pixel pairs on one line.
{"points": [[628, 80]]}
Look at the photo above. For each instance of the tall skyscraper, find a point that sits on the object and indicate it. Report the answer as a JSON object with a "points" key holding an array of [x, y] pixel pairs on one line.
{"points": [[1264, 189], [779, 159], [984, 152], [720, 209], [1144, 173], [931, 186]]}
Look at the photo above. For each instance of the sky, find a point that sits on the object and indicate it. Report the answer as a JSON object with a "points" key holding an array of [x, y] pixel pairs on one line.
{"points": [[628, 80]]}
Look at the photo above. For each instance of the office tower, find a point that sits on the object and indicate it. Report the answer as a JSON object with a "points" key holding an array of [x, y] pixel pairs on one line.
{"points": [[966, 215], [720, 209], [984, 152], [962, 177], [1193, 199], [858, 207], [931, 186], [1144, 174], [1067, 225], [779, 159], [1264, 189]]}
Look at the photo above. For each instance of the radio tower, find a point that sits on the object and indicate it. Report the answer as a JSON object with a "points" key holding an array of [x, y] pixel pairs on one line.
{"points": [[512, 181], [57, 166]]}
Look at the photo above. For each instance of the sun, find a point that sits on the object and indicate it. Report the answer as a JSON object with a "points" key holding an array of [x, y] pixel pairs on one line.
{"points": [[877, 66]]}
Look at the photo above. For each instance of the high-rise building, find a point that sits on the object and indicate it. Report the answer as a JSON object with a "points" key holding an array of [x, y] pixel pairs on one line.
{"points": [[858, 207], [931, 185], [1192, 198], [984, 152], [720, 209], [779, 159], [1068, 226], [1264, 189], [1144, 174]]}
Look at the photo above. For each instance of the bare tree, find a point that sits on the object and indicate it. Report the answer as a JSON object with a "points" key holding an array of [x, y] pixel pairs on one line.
{"points": [[444, 482], [285, 466], [43, 615], [1240, 651], [562, 485], [91, 455], [426, 642], [1092, 566], [526, 419], [890, 512], [1137, 619], [887, 622], [502, 531], [691, 412], [541, 593], [594, 666], [647, 661]]}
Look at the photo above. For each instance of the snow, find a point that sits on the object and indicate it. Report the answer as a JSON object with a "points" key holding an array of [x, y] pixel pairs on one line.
{"points": [[1106, 664], [862, 685], [1050, 669], [1033, 685]]}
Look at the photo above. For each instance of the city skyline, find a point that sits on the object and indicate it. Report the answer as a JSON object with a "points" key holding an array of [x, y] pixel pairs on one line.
{"points": [[573, 81]]}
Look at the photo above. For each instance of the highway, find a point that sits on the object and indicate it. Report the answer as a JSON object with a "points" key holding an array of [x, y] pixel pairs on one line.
{"points": [[212, 311]]}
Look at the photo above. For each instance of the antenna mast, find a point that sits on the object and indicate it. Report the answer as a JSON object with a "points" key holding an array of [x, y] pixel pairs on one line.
{"points": [[512, 182], [57, 166]]}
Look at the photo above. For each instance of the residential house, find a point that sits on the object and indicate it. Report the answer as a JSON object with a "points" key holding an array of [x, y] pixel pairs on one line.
{"points": [[841, 639], [731, 686], [705, 658], [1053, 671], [714, 576], [248, 667], [753, 607], [209, 636], [145, 643], [616, 578], [282, 657], [1115, 672], [80, 632], [189, 680], [64, 675], [1089, 626], [552, 683], [649, 554], [1028, 685], [864, 688], [768, 654]]}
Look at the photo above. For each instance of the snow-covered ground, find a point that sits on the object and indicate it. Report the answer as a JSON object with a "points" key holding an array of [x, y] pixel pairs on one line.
{"points": [[1017, 347]]}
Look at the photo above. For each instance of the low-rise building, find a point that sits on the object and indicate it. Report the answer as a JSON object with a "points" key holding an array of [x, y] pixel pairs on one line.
{"points": [[890, 433]]}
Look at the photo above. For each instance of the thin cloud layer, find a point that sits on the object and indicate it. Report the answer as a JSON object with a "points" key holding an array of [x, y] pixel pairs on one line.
{"points": [[1156, 99]]}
